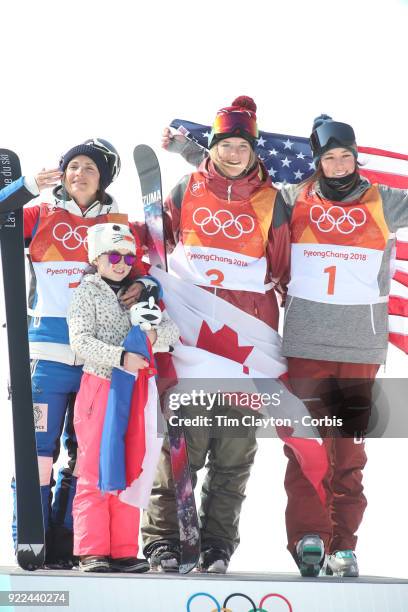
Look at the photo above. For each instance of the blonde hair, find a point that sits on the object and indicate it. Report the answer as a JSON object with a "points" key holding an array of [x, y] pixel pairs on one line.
{"points": [[215, 158]]}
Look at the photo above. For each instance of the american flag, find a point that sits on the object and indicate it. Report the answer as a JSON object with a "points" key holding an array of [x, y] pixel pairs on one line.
{"points": [[289, 159]]}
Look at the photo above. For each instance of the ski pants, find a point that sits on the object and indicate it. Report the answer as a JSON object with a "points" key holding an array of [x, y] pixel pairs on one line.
{"points": [[229, 457], [103, 525], [329, 389], [54, 386]]}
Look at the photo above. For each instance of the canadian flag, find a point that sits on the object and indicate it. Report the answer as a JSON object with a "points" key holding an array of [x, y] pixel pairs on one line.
{"points": [[220, 342]]}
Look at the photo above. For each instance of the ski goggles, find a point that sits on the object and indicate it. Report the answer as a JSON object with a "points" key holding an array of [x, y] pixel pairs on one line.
{"points": [[229, 123], [332, 130], [114, 258]]}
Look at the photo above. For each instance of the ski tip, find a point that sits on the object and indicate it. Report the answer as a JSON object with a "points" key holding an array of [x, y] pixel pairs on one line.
{"points": [[143, 149], [30, 557]]}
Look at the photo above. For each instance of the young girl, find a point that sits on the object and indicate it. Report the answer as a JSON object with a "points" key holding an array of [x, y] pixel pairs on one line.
{"points": [[106, 528]]}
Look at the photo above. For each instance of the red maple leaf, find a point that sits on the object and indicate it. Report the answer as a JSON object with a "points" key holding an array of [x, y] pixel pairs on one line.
{"points": [[223, 342]]}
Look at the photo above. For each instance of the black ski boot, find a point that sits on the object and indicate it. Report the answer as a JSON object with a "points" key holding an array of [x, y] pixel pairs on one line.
{"points": [[59, 549], [163, 555], [214, 561]]}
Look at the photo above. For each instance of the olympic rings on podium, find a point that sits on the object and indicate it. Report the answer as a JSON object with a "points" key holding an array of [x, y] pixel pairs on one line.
{"points": [[254, 608], [224, 607]]}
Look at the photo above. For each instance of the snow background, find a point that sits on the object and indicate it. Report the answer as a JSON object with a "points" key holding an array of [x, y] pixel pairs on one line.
{"points": [[123, 70]]}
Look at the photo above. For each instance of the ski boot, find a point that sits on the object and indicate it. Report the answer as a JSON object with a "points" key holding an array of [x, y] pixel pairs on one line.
{"points": [[129, 565], [310, 555], [163, 555], [59, 549], [94, 563], [343, 564], [213, 561]]}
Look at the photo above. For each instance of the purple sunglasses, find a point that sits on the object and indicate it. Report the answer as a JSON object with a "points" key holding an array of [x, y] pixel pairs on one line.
{"points": [[115, 257]]}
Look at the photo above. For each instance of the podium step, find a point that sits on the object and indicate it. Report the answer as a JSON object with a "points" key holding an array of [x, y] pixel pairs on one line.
{"points": [[157, 592]]}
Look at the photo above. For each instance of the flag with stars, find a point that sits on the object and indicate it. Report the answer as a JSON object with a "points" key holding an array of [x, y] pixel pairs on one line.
{"points": [[289, 159]]}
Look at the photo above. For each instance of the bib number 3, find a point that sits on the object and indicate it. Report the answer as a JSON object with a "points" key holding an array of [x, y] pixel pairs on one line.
{"points": [[219, 277]]}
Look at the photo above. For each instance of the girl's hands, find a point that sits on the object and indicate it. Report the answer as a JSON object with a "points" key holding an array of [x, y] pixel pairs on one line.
{"points": [[134, 362]]}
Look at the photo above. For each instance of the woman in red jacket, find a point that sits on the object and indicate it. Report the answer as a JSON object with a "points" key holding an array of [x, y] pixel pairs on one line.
{"points": [[230, 238]]}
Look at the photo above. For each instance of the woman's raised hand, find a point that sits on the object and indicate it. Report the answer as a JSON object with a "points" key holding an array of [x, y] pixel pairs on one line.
{"points": [[48, 178], [172, 142]]}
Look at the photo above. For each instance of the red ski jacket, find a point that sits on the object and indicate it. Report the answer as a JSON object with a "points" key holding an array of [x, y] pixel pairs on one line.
{"points": [[262, 306]]}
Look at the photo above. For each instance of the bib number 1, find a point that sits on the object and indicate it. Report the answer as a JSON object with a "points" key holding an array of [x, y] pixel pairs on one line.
{"points": [[331, 271]]}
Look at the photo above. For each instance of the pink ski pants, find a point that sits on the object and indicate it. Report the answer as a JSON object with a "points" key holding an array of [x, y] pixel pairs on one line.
{"points": [[103, 525]]}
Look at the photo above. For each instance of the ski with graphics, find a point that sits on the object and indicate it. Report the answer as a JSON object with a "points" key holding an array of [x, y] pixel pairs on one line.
{"points": [[148, 168], [30, 531]]}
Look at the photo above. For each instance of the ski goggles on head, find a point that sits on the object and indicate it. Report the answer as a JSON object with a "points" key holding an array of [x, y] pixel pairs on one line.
{"points": [[239, 123], [114, 258], [341, 133]]}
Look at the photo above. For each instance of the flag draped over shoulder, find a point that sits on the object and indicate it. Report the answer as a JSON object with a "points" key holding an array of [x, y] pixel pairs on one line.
{"points": [[221, 345], [129, 447], [289, 159]]}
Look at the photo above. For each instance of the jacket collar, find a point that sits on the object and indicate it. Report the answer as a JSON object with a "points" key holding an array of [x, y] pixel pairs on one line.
{"points": [[97, 280], [94, 210], [234, 189], [356, 194]]}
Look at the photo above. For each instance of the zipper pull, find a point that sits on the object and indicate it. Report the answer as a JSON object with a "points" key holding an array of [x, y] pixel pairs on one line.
{"points": [[229, 189]]}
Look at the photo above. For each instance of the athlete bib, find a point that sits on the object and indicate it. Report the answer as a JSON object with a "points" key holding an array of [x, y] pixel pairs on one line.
{"points": [[223, 244], [59, 254], [337, 248]]}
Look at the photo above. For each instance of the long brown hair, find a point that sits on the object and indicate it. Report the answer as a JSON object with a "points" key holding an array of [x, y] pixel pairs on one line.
{"points": [[317, 174]]}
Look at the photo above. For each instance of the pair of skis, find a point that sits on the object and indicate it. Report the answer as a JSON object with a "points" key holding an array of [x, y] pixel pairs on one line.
{"points": [[150, 181], [30, 531]]}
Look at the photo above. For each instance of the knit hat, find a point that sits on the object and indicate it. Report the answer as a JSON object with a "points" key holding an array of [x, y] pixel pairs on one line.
{"points": [[102, 153], [106, 237], [328, 134], [239, 119]]}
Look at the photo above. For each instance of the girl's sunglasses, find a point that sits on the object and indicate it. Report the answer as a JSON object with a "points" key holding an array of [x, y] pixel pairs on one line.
{"points": [[114, 258]]}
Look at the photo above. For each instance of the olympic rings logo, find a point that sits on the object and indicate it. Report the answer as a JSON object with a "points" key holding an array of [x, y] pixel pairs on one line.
{"points": [[223, 221], [224, 608], [71, 238], [337, 217]]}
